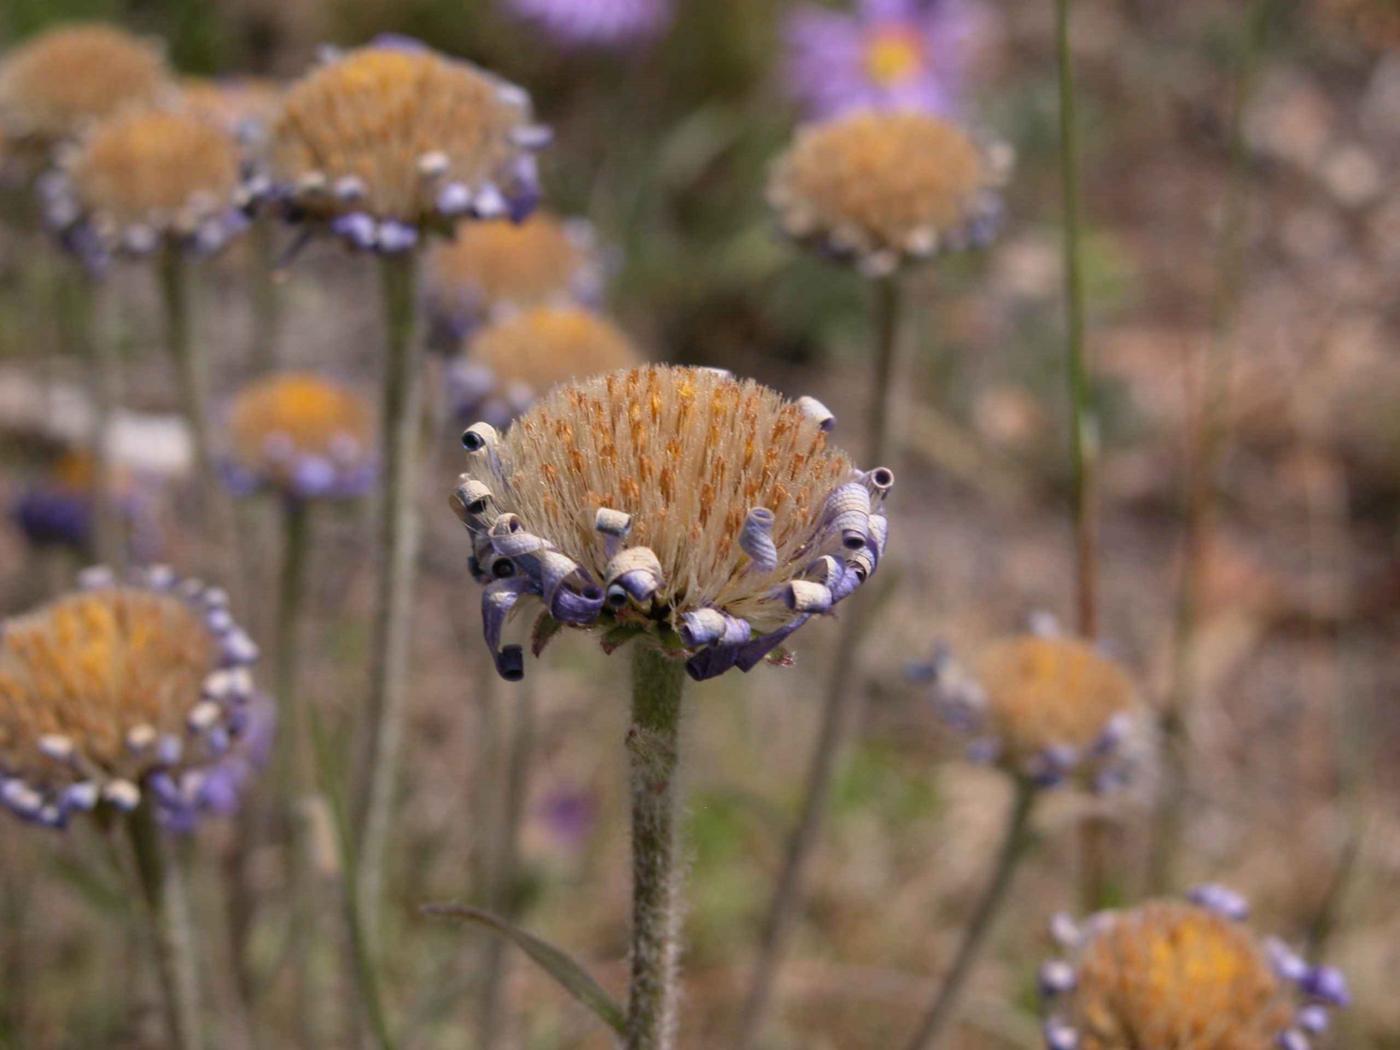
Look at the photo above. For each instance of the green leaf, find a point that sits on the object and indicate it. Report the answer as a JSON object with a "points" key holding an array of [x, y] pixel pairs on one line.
{"points": [[573, 977]]}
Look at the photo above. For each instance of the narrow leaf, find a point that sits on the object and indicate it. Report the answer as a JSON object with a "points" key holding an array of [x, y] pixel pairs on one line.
{"points": [[573, 977]]}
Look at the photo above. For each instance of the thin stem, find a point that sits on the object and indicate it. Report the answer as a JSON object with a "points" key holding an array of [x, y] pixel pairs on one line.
{"points": [[265, 353], [401, 420], [505, 860], [836, 708], [192, 378], [653, 745], [101, 355], [1207, 452], [167, 899], [1084, 426], [1015, 840]]}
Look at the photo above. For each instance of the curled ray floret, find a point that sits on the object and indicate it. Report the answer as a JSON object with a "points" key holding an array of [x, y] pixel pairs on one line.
{"points": [[1048, 709], [1176, 974], [387, 143], [706, 512], [129, 690]]}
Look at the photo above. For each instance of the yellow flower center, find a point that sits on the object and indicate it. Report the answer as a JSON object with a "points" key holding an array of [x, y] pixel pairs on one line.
{"points": [[893, 55], [308, 414]]}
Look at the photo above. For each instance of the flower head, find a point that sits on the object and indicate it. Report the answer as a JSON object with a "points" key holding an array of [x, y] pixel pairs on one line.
{"points": [[680, 503], [243, 106], [125, 690], [1046, 708], [596, 23], [512, 362], [302, 437], [56, 510], [57, 84], [388, 142], [491, 267], [1174, 976], [146, 179], [885, 55], [886, 189]]}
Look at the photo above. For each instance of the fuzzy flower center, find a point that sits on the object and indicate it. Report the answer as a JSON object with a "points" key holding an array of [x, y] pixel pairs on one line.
{"points": [[1176, 976], [547, 345], [60, 80], [90, 668], [288, 416], [688, 453], [155, 166], [1045, 693], [501, 261], [893, 55], [368, 119]]}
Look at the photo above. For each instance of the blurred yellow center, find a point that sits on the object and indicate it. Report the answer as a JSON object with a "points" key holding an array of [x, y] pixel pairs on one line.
{"points": [[547, 345], [505, 262], [893, 55], [306, 413], [90, 667], [1048, 692], [1176, 977]]}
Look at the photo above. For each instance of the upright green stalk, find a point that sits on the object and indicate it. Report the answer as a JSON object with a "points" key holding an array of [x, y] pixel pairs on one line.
{"points": [[505, 856], [1203, 487], [401, 420], [1084, 425], [191, 374], [653, 745], [265, 352], [836, 705], [1015, 840], [167, 900], [105, 366]]}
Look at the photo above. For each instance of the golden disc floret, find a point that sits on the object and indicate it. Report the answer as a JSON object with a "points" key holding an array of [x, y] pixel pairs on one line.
{"points": [[303, 436], [385, 142], [887, 188], [509, 364], [126, 690], [58, 83], [682, 502]]}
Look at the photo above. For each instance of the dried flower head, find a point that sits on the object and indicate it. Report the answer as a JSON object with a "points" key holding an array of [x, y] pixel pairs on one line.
{"points": [[245, 107], [125, 690], [884, 55], [600, 23], [512, 362], [495, 267], [1046, 708], [391, 141], [682, 503], [302, 437], [887, 189], [57, 84], [1183, 976], [147, 179]]}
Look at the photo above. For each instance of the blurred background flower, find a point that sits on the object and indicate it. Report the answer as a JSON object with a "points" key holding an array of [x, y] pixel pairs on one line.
{"points": [[595, 23]]}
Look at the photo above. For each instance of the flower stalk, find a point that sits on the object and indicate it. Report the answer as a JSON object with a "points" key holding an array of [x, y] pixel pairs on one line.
{"points": [[837, 703], [1015, 840], [401, 421], [167, 900], [653, 745]]}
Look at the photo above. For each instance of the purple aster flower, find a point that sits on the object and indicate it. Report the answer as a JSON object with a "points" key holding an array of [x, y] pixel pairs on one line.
{"points": [[596, 23], [885, 55]]}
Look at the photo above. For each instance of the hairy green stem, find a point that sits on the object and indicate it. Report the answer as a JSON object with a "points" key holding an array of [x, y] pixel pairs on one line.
{"points": [[1015, 840], [505, 856], [401, 422], [1204, 483], [167, 900], [836, 707], [653, 746]]}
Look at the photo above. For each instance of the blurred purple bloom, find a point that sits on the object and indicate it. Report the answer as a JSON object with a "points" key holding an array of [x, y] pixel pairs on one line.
{"points": [[602, 23], [885, 55], [569, 814]]}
